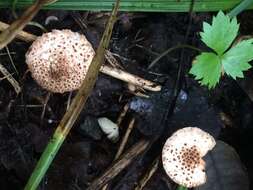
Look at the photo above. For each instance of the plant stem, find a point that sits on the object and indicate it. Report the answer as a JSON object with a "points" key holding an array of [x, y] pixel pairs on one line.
{"points": [[170, 50], [181, 188], [45, 160], [239, 8], [75, 108]]}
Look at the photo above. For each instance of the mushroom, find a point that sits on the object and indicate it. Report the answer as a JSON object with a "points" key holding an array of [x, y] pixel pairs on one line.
{"points": [[182, 156], [110, 128], [59, 60]]}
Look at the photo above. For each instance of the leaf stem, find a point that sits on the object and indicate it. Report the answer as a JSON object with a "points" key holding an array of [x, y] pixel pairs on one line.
{"points": [[170, 50], [239, 8]]}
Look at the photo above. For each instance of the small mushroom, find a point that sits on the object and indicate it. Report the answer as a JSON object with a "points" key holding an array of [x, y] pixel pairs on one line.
{"points": [[182, 156], [110, 128], [59, 60]]}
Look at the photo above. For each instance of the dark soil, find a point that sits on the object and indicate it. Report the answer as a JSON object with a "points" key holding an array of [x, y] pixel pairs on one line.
{"points": [[225, 112]]}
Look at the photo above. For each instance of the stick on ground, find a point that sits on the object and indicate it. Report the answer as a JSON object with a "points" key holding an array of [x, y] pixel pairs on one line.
{"points": [[12, 30], [9, 77], [123, 143], [120, 164], [148, 175], [123, 114]]}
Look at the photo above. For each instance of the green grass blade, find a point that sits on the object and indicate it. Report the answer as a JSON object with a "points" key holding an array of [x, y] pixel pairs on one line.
{"points": [[45, 161], [241, 7], [181, 188], [75, 108], [134, 5]]}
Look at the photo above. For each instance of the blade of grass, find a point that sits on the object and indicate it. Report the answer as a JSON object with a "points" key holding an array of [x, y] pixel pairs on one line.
{"points": [[10, 33], [181, 188], [241, 7], [134, 5], [75, 108]]}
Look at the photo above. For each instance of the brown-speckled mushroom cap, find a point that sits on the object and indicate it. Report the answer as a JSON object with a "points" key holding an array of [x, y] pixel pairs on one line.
{"points": [[59, 60], [182, 156]]}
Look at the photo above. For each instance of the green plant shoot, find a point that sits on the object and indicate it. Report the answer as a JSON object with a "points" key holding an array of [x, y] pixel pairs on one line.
{"points": [[225, 58]]}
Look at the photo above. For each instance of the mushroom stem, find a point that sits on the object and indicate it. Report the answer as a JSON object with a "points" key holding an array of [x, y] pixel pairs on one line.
{"points": [[111, 71]]}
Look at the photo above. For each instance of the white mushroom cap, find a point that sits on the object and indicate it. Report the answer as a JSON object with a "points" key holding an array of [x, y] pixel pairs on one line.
{"points": [[182, 156], [59, 60], [110, 128]]}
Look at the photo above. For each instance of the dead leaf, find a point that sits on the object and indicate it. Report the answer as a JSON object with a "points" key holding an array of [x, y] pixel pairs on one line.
{"points": [[224, 170]]}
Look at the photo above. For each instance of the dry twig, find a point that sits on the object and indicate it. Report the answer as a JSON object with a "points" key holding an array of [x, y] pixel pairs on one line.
{"points": [[120, 164], [12, 30], [9, 77], [25, 36], [125, 138], [122, 114], [130, 78], [44, 108], [148, 175], [11, 60], [123, 143]]}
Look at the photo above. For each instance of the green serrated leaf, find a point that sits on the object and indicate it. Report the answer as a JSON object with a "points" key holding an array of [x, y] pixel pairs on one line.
{"points": [[235, 61], [220, 35], [207, 69]]}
